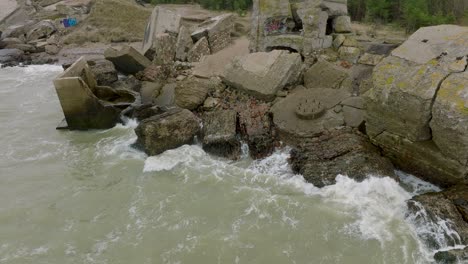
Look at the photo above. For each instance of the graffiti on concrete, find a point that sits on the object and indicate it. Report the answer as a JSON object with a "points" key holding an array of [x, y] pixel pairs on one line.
{"points": [[279, 25]]}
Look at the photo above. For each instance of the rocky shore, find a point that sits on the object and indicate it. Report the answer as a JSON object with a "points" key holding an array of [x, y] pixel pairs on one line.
{"points": [[345, 104]]}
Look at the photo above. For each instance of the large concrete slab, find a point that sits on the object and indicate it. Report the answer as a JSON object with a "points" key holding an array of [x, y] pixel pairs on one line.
{"points": [[263, 74], [6, 8]]}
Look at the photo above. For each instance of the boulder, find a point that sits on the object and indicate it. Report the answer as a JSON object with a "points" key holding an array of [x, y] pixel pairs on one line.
{"points": [[12, 41], [370, 59], [217, 30], [24, 47], [150, 91], [184, 43], [52, 49], [338, 41], [350, 54], [256, 128], [449, 207], [127, 83], [166, 96], [453, 256], [324, 75], [41, 30], [104, 71], [154, 73], [145, 111], [171, 129], [342, 24], [339, 151], [416, 109], [87, 105], [219, 134], [8, 56], [127, 60], [263, 74], [162, 20], [165, 48], [200, 49], [334, 7], [449, 123], [74, 7], [192, 92], [308, 112]]}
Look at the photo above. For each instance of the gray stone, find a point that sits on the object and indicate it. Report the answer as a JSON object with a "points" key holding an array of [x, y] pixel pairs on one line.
{"points": [[211, 103], [70, 8], [41, 30], [342, 24], [127, 60], [24, 47], [449, 123], [10, 55], [353, 117], [127, 83], [165, 48], [219, 134], [192, 92], [149, 91], [86, 105], [217, 30], [370, 59], [356, 102], [335, 8], [167, 95], [162, 20], [449, 207], [12, 41], [459, 65], [200, 49], [263, 74], [351, 42], [338, 151], [52, 49], [324, 75], [350, 54], [184, 43], [104, 72], [428, 43], [338, 41], [166, 131]]}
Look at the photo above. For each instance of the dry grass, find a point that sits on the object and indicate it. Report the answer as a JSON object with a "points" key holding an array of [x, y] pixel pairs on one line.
{"points": [[112, 21]]}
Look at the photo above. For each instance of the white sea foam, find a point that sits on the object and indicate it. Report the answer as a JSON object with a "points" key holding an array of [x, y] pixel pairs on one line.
{"points": [[171, 158]]}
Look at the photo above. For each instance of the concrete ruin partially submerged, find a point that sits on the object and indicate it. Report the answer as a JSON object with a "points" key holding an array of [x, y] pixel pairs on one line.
{"points": [[297, 25], [87, 105]]}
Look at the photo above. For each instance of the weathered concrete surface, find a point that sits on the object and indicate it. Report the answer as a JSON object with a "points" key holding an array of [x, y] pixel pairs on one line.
{"points": [[172, 129], [86, 105], [165, 49], [324, 75], [263, 74], [192, 92], [430, 42], [449, 122], [217, 30], [184, 43], [162, 20], [300, 25], [200, 49], [417, 110], [127, 60], [104, 72], [339, 151], [219, 134], [289, 123], [7, 7], [213, 65]]}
